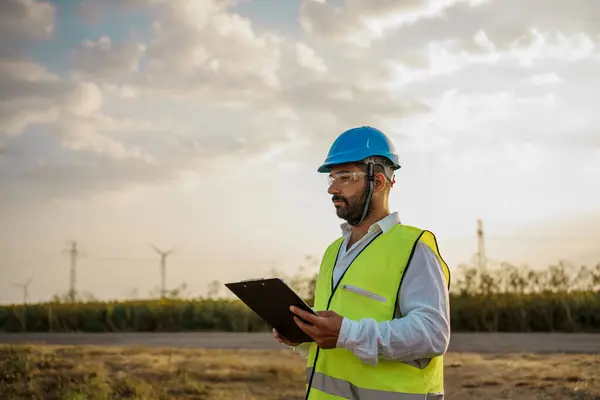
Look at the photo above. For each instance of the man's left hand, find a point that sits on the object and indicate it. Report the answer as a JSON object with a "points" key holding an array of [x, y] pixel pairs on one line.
{"points": [[325, 327]]}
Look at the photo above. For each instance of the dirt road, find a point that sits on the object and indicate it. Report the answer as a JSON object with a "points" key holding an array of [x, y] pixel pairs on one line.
{"points": [[460, 342]]}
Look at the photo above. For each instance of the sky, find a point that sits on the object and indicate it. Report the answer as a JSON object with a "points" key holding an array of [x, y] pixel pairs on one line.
{"points": [[199, 126]]}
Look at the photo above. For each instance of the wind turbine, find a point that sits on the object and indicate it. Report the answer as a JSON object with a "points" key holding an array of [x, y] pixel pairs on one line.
{"points": [[163, 262], [25, 287]]}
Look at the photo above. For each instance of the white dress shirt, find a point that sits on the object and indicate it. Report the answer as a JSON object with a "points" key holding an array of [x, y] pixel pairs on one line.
{"points": [[420, 329]]}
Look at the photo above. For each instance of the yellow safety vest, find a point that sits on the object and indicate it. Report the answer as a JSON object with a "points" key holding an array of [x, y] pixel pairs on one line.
{"points": [[379, 268]]}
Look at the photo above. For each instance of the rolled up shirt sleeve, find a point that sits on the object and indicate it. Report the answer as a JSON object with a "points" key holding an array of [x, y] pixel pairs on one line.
{"points": [[421, 329]]}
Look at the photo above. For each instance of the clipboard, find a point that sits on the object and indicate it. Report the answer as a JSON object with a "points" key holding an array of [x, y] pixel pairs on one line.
{"points": [[271, 300]]}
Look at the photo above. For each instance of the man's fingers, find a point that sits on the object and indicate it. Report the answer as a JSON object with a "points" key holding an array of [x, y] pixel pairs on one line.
{"points": [[313, 319], [310, 330], [325, 313], [278, 337], [281, 339]]}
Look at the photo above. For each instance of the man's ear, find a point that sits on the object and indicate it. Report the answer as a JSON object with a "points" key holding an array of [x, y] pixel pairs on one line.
{"points": [[379, 184]]}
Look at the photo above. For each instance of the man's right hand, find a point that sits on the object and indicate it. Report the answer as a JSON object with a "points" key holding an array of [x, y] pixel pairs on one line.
{"points": [[281, 339]]}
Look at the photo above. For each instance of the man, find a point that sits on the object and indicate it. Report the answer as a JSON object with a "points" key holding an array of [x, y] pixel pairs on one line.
{"points": [[382, 289]]}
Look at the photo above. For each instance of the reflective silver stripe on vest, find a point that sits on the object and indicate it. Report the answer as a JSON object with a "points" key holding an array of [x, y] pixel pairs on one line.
{"points": [[345, 389]]}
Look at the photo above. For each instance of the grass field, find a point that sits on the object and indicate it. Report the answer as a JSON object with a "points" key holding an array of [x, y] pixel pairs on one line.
{"points": [[88, 372]]}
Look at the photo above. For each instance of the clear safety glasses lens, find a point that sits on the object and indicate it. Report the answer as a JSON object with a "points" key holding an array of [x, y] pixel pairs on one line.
{"points": [[344, 178]]}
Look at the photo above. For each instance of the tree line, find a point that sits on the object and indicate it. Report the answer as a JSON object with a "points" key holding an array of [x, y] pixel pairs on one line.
{"points": [[506, 298]]}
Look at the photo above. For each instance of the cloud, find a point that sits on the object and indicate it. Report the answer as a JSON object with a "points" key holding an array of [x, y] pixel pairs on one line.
{"points": [[93, 11], [70, 110], [23, 22], [187, 53], [185, 59], [362, 21], [3, 150], [446, 57], [477, 132], [308, 59], [465, 121], [28, 92], [571, 18], [456, 20], [543, 79], [103, 59], [536, 45], [206, 86], [74, 109], [23, 84]]}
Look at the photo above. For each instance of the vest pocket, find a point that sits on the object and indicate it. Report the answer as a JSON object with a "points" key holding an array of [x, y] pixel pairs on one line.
{"points": [[364, 292]]}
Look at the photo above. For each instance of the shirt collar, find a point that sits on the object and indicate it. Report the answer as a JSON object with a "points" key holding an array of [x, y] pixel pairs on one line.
{"points": [[383, 225]]}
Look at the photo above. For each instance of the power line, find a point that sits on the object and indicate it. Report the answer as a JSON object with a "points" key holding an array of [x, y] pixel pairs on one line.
{"points": [[206, 260], [543, 237]]}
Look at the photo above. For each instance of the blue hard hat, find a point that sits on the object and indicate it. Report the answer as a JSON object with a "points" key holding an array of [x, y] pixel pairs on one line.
{"points": [[356, 144]]}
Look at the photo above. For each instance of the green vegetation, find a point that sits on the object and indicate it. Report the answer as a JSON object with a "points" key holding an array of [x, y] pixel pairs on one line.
{"points": [[561, 298], [506, 299]]}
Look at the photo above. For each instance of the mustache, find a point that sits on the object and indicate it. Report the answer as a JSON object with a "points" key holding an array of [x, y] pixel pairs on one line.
{"points": [[339, 198]]}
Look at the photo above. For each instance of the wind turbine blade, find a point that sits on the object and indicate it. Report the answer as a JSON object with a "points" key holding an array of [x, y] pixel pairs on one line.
{"points": [[155, 248]]}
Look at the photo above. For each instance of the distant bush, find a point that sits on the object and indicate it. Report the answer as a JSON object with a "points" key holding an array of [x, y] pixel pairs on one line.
{"points": [[502, 299], [167, 315], [507, 298]]}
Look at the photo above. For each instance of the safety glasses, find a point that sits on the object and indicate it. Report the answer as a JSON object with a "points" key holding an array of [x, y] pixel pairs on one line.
{"points": [[344, 178]]}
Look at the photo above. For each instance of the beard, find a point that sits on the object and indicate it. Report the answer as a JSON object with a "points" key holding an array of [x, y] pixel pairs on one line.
{"points": [[352, 209]]}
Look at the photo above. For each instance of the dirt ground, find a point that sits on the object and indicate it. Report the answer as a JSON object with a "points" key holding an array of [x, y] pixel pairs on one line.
{"points": [[90, 372]]}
